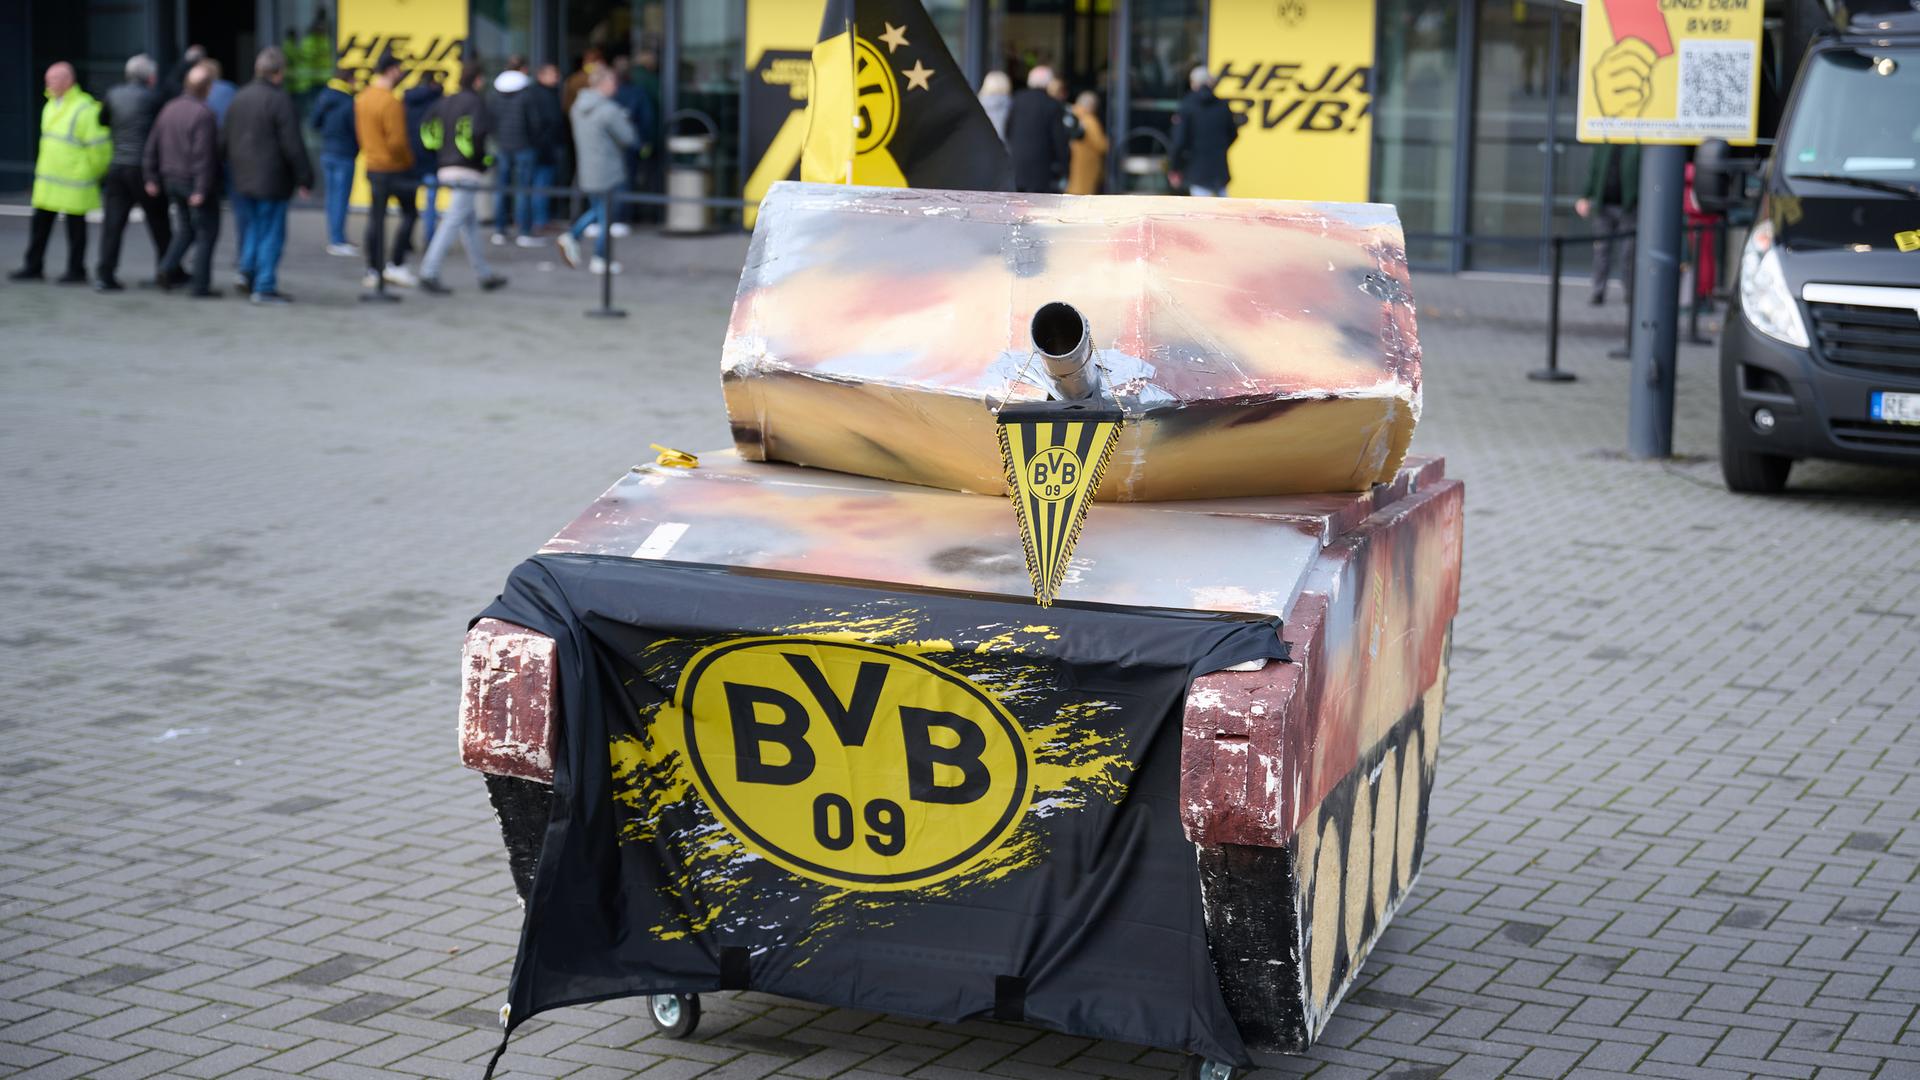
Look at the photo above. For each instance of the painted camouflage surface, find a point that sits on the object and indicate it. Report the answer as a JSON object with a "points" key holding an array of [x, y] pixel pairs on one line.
{"points": [[1246, 555], [1259, 347], [1368, 637]]}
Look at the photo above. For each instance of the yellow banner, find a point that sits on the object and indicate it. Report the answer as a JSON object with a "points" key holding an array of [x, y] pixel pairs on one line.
{"points": [[780, 39], [426, 35], [1300, 74], [1665, 71]]}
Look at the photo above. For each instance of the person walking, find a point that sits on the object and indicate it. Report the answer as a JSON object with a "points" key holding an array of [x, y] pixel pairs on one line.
{"points": [[1039, 135], [332, 117], [459, 125], [515, 135], [268, 163], [1204, 127], [417, 102], [381, 125], [1088, 168], [183, 159], [128, 111], [1612, 196], [601, 134], [220, 94], [75, 149]]}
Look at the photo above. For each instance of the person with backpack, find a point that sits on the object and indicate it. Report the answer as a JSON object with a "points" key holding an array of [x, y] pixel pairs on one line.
{"points": [[457, 127]]}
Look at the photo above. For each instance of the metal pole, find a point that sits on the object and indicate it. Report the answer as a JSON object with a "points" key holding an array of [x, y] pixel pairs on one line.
{"points": [[1552, 372], [1656, 302], [606, 310]]}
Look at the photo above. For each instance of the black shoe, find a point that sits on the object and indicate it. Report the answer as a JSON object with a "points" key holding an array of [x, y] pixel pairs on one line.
{"points": [[492, 283], [432, 285], [169, 281], [205, 294], [1597, 299], [108, 284], [277, 299], [72, 278], [243, 288], [24, 274]]}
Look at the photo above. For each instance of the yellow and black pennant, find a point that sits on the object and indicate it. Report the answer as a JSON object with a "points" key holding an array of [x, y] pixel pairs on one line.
{"points": [[1055, 454]]}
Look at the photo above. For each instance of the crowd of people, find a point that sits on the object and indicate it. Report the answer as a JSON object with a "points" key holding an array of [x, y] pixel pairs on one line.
{"points": [[177, 148], [1061, 148]]}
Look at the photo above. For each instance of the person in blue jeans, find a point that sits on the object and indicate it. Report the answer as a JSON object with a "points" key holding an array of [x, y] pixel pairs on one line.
{"points": [[601, 134], [267, 163], [332, 117], [516, 135]]}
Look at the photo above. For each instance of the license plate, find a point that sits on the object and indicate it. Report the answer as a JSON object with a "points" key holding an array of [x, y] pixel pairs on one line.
{"points": [[1891, 408]]}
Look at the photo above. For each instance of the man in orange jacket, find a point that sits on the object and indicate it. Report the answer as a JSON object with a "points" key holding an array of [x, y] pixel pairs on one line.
{"points": [[380, 121]]}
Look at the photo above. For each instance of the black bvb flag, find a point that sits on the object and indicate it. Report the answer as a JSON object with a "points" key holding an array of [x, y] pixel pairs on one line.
{"points": [[888, 106], [934, 804]]}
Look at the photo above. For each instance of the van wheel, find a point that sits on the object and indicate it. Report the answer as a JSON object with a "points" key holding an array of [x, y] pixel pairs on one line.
{"points": [[1753, 473]]}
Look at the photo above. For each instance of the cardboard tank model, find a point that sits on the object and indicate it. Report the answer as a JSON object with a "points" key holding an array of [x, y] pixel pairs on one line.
{"points": [[791, 720]]}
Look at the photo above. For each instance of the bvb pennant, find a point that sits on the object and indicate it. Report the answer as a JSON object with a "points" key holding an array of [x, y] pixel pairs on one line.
{"points": [[1055, 454]]}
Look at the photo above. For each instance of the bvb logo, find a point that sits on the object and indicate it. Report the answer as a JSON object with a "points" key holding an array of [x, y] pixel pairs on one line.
{"points": [[1052, 473], [855, 765], [876, 98], [1292, 11]]}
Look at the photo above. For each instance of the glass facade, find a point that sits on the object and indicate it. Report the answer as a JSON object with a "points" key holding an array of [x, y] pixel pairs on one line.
{"points": [[497, 29], [1416, 102], [1473, 110], [1165, 40], [1525, 158]]}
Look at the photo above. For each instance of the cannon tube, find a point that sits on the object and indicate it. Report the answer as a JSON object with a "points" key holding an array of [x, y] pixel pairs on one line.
{"points": [[1061, 337]]}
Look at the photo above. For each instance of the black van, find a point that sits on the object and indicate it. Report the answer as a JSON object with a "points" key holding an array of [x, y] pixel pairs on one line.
{"points": [[1823, 360]]}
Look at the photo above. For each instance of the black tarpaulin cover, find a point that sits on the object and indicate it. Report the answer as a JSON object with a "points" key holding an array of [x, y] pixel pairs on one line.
{"points": [[934, 804]]}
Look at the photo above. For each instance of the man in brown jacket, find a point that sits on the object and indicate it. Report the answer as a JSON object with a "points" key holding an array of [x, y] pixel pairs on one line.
{"points": [[183, 159], [381, 123]]}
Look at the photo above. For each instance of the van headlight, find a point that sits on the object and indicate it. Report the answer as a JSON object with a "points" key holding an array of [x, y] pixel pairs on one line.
{"points": [[1764, 297]]}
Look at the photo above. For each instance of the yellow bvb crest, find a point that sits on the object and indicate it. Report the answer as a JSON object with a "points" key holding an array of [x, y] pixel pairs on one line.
{"points": [[1055, 454]]}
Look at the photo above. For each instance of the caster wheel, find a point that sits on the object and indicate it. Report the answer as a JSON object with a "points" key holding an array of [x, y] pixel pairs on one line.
{"points": [[1199, 1068], [676, 1015]]}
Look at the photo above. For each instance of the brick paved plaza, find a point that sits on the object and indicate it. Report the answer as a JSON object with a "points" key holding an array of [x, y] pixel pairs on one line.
{"points": [[1676, 831]]}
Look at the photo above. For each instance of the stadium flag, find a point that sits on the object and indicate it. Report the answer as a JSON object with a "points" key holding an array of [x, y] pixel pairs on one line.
{"points": [[888, 106]]}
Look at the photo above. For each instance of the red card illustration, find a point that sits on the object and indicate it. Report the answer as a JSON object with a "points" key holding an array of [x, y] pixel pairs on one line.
{"points": [[1641, 19]]}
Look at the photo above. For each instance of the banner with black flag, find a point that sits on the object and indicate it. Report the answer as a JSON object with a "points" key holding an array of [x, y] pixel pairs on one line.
{"points": [[942, 805], [888, 107]]}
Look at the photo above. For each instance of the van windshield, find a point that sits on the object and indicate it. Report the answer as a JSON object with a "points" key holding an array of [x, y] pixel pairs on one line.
{"points": [[1857, 118]]}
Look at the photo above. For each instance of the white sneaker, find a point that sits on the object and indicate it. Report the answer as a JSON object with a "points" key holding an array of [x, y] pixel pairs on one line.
{"points": [[370, 281], [400, 275], [591, 230], [528, 242], [569, 248], [342, 249], [600, 266], [620, 228], [499, 239]]}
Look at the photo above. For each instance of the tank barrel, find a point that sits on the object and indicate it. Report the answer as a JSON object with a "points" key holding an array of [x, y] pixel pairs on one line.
{"points": [[1061, 337]]}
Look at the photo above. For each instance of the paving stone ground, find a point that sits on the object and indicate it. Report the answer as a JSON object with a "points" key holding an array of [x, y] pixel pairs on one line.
{"points": [[1675, 832]]}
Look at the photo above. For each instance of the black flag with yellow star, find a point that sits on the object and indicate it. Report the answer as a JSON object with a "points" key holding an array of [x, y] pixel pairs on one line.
{"points": [[890, 108]]}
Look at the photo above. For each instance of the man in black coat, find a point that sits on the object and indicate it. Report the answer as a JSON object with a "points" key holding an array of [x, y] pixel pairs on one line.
{"points": [[268, 161], [1203, 128], [128, 111], [182, 159], [1040, 133]]}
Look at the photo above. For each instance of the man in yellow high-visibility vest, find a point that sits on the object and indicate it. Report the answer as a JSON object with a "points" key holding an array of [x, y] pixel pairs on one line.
{"points": [[75, 149]]}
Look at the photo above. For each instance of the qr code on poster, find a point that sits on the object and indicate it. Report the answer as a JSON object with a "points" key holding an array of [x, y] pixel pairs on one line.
{"points": [[1716, 81]]}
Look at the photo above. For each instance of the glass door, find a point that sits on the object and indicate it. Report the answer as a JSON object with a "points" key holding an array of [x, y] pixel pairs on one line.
{"points": [[1527, 168]]}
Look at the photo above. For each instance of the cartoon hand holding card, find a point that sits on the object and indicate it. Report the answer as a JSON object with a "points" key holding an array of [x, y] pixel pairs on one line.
{"points": [[1623, 76]]}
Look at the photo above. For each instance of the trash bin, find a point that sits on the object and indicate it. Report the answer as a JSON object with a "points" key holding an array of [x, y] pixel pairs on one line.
{"points": [[689, 176]]}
